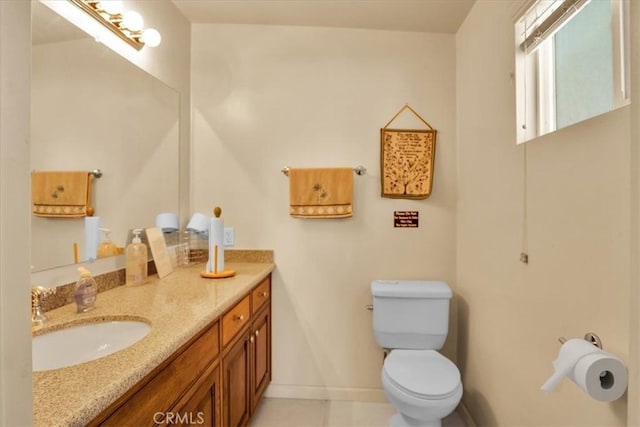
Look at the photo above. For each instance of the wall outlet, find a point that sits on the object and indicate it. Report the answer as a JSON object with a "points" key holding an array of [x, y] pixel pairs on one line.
{"points": [[228, 239]]}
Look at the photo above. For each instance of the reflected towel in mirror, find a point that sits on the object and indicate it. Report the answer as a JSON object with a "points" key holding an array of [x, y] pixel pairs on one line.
{"points": [[60, 194]]}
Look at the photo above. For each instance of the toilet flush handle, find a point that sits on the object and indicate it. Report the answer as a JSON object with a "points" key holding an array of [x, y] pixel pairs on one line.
{"points": [[369, 307]]}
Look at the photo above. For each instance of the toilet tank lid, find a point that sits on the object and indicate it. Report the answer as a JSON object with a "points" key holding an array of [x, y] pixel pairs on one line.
{"points": [[410, 289]]}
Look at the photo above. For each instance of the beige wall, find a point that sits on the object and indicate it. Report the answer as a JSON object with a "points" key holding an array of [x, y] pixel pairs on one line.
{"points": [[634, 301], [578, 225], [15, 334], [268, 97]]}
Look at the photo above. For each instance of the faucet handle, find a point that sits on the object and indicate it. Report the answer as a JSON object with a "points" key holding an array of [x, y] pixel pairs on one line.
{"points": [[42, 291], [37, 292]]}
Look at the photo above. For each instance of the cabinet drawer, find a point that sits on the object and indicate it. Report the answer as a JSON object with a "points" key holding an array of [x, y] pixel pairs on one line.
{"points": [[165, 388], [260, 295], [234, 320]]}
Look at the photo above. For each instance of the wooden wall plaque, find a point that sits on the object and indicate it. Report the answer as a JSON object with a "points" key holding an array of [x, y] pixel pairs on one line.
{"points": [[407, 160]]}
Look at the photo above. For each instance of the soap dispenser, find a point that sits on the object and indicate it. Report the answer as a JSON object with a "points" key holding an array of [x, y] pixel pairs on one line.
{"points": [[86, 291], [136, 263], [107, 248]]}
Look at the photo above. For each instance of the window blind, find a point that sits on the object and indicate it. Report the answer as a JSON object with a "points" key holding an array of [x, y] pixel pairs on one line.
{"points": [[544, 19]]}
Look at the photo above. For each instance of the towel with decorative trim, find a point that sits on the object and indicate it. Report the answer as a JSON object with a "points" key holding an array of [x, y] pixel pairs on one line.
{"points": [[321, 192], [60, 194]]}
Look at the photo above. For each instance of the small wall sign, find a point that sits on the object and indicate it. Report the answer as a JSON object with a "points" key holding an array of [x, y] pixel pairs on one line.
{"points": [[405, 219]]}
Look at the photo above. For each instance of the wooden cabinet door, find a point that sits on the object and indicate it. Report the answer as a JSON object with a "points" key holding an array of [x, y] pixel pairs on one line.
{"points": [[260, 355], [203, 407], [150, 403], [235, 384]]}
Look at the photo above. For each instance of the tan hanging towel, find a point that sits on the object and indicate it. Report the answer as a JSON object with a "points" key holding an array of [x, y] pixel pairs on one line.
{"points": [[321, 192], [60, 194]]}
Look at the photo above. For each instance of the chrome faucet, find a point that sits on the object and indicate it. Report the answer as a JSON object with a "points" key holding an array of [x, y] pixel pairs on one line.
{"points": [[38, 317]]}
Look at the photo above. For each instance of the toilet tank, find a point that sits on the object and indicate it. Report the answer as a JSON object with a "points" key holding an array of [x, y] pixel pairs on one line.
{"points": [[412, 314]]}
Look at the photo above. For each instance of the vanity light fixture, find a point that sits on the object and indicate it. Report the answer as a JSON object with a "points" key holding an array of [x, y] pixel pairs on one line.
{"points": [[126, 25]]}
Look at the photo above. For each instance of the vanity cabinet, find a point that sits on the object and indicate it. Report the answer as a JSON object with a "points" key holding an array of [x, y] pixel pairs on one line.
{"points": [[158, 398], [235, 382], [246, 362], [215, 379], [260, 369], [202, 407], [235, 320]]}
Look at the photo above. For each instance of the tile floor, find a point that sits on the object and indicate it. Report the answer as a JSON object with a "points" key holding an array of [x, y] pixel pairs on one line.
{"points": [[323, 413]]}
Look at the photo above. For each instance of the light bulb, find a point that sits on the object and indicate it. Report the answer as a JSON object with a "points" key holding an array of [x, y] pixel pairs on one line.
{"points": [[151, 37], [112, 7], [132, 21]]}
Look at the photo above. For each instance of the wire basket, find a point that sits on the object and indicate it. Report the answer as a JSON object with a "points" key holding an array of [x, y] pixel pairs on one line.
{"points": [[193, 248]]}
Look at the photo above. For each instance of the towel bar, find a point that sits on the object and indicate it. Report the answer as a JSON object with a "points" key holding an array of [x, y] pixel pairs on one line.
{"points": [[97, 173], [359, 170]]}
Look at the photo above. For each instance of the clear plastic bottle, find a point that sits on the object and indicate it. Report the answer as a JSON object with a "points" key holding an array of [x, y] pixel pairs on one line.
{"points": [[107, 248], [136, 261], [86, 291]]}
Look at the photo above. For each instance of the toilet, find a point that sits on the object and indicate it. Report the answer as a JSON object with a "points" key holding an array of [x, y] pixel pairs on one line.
{"points": [[411, 319]]}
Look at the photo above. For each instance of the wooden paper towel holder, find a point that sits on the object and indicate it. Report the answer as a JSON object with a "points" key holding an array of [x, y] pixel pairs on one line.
{"points": [[215, 274]]}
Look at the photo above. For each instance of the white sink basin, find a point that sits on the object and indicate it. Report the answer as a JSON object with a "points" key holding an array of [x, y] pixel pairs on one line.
{"points": [[89, 341]]}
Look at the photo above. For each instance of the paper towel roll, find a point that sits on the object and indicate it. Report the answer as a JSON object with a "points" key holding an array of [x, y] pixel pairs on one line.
{"points": [[599, 374], [216, 238], [91, 237]]}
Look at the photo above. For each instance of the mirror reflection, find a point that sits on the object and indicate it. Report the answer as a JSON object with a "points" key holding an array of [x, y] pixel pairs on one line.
{"points": [[92, 109]]}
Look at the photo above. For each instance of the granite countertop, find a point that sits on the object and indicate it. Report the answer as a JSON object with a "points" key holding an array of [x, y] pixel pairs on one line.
{"points": [[177, 307]]}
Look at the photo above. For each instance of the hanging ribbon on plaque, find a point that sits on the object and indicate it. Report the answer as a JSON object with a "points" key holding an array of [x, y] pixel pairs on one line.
{"points": [[407, 159]]}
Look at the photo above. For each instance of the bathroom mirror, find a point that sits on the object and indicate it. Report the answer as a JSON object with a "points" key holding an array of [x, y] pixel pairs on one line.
{"points": [[93, 109]]}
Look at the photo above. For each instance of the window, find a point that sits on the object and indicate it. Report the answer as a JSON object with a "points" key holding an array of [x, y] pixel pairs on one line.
{"points": [[571, 63]]}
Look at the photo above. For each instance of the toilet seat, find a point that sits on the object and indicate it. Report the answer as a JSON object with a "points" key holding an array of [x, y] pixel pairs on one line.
{"points": [[423, 374]]}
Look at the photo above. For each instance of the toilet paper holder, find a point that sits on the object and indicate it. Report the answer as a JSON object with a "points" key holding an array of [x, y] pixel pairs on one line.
{"points": [[589, 336]]}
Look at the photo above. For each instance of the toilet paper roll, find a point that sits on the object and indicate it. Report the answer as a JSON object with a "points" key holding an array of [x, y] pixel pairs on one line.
{"points": [[168, 222], [216, 239], [599, 374], [91, 237], [199, 224]]}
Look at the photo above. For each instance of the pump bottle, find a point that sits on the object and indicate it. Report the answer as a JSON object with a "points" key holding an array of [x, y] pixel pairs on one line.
{"points": [[85, 292], [107, 248], [136, 261]]}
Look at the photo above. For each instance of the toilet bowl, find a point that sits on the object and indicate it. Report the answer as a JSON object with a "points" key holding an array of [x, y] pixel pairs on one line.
{"points": [[423, 385], [411, 318]]}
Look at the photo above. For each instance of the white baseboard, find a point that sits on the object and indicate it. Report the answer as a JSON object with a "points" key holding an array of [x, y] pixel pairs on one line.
{"points": [[352, 394], [325, 393]]}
